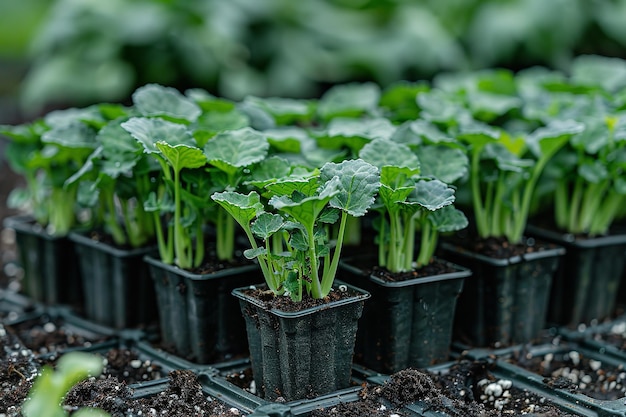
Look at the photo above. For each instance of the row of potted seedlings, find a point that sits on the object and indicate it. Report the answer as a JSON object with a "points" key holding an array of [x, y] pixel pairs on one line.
{"points": [[203, 196]]}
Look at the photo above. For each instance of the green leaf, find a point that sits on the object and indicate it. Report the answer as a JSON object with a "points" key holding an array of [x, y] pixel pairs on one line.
{"points": [[87, 193], [306, 210], [235, 149], [448, 219], [478, 134], [182, 156], [49, 389], [593, 171], [359, 183], [150, 131], [306, 185], [29, 133], [399, 99], [348, 100], [242, 207], [208, 124], [289, 139], [548, 139], [285, 110], [442, 162], [608, 73], [377, 128], [156, 100], [73, 135], [428, 132], [254, 253], [395, 176], [117, 141], [489, 106], [381, 152], [593, 138], [269, 170], [266, 225], [432, 194], [66, 117], [441, 107], [505, 160]]}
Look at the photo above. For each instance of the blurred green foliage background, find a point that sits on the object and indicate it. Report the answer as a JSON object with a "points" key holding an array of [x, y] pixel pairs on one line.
{"points": [[78, 52]]}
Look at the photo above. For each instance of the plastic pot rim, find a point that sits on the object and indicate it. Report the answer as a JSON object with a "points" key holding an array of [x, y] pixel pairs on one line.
{"points": [[532, 256], [80, 238], [362, 295], [199, 277], [571, 240], [461, 272]]}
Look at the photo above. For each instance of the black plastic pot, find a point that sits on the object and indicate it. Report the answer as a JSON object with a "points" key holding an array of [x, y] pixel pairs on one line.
{"points": [[199, 319], [51, 273], [406, 323], [117, 288], [586, 285], [301, 354], [505, 301]]}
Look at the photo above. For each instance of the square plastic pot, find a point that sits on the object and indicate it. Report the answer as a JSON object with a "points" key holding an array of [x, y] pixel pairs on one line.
{"points": [[301, 354], [198, 317], [51, 273], [505, 302], [406, 323], [117, 288], [586, 284]]}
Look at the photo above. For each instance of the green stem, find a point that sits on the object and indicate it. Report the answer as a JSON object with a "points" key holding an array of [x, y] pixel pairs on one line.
{"points": [[180, 246], [561, 213], [593, 199], [199, 254], [428, 244], [605, 217], [382, 243], [496, 219], [575, 203], [329, 277], [225, 235], [479, 211], [316, 287], [408, 241], [520, 217], [110, 218]]}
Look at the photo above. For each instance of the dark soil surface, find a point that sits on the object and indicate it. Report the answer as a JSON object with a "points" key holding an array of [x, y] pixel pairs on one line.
{"points": [[284, 303], [570, 370], [45, 335], [466, 389], [183, 397], [367, 264], [17, 371], [125, 365], [110, 392], [499, 248]]}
